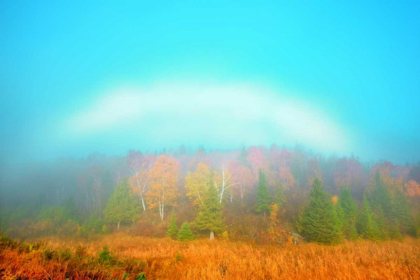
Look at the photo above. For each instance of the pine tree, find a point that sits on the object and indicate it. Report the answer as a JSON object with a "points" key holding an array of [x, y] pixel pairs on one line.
{"points": [[172, 228], [394, 232], [382, 198], [319, 220], [185, 233], [263, 195], [278, 196], [366, 224], [210, 215], [382, 222], [403, 215], [348, 213], [122, 206]]}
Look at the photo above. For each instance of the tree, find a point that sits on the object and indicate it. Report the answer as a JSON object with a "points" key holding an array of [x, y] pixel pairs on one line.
{"points": [[185, 233], [403, 214], [349, 211], [172, 228], [319, 222], [139, 166], [243, 177], [263, 195], [366, 224], [224, 184], [278, 196], [122, 206], [197, 183], [163, 180], [210, 216]]}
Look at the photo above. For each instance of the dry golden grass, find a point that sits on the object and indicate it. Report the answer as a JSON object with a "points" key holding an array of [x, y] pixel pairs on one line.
{"points": [[202, 259]]}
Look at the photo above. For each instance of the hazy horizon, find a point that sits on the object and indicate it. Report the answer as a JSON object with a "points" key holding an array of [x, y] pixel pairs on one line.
{"points": [[149, 77]]}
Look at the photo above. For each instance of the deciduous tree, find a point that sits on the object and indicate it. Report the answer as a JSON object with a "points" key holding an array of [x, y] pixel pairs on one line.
{"points": [[163, 184]]}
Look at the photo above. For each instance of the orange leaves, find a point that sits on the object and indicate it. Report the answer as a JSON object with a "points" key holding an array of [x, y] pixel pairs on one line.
{"points": [[412, 188], [286, 177], [202, 259], [163, 181], [243, 178]]}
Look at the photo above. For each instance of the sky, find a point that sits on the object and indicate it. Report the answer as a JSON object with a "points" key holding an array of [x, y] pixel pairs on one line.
{"points": [[338, 78]]}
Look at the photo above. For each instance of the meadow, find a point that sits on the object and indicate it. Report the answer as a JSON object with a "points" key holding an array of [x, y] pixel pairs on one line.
{"points": [[133, 257]]}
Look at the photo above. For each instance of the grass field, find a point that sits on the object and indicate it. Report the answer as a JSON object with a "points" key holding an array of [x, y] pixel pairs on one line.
{"points": [[163, 258]]}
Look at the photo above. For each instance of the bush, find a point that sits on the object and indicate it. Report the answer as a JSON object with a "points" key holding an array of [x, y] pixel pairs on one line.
{"points": [[185, 233], [105, 256]]}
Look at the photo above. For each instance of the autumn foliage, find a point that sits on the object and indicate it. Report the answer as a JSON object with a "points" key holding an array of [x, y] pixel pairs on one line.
{"points": [[129, 257]]}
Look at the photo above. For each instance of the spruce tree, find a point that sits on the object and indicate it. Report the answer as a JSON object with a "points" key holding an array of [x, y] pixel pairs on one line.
{"points": [[402, 214], [394, 232], [348, 213], [122, 206], [366, 224], [381, 197], [185, 233], [263, 195], [319, 220], [278, 196], [382, 222], [210, 215], [172, 231]]}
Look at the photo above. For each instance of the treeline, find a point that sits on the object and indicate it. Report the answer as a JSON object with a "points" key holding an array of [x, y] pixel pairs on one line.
{"points": [[254, 194]]}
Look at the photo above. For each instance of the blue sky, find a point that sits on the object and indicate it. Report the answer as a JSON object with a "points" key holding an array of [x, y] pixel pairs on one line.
{"points": [[81, 77]]}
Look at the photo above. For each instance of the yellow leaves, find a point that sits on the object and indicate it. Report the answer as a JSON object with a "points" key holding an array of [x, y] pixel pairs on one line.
{"points": [[163, 182], [197, 183]]}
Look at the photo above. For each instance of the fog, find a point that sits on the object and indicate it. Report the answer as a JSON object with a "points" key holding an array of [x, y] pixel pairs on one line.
{"points": [[328, 92]]}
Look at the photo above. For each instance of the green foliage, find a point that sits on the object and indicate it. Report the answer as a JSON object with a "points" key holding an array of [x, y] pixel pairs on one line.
{"points": [[263, 195], [319, 220], [141, 276], [347, 210], [185, 233], [394, 232], [210, 215], [105, 256], [402, 214], [172, 228], [381, 197], [366, 224], [122, 207], [94, 225], [278, 197], [382, 222]]}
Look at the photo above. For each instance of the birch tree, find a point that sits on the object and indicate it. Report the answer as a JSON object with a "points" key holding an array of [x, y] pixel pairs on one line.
{"points": [[163, 180]]}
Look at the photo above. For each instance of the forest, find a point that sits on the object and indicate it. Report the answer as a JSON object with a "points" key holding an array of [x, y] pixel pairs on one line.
{"points": [[266, 197]]}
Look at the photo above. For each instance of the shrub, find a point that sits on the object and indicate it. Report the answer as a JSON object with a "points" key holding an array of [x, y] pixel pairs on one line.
{"points": [[105, 256], [185, 233]]}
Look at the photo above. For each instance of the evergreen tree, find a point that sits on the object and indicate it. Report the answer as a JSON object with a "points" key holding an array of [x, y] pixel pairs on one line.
{"points": [[402, 214], [319, 220], [394, 232], [383, 224], [210, 215], [122, 206], [172, 228], [367, 226], [381, 198], [263, 195], [278, 196], [347, 210], [185, 233]]}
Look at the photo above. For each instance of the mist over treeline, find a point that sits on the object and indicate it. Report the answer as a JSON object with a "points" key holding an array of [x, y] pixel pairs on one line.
{"points": [[74, 197]]}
